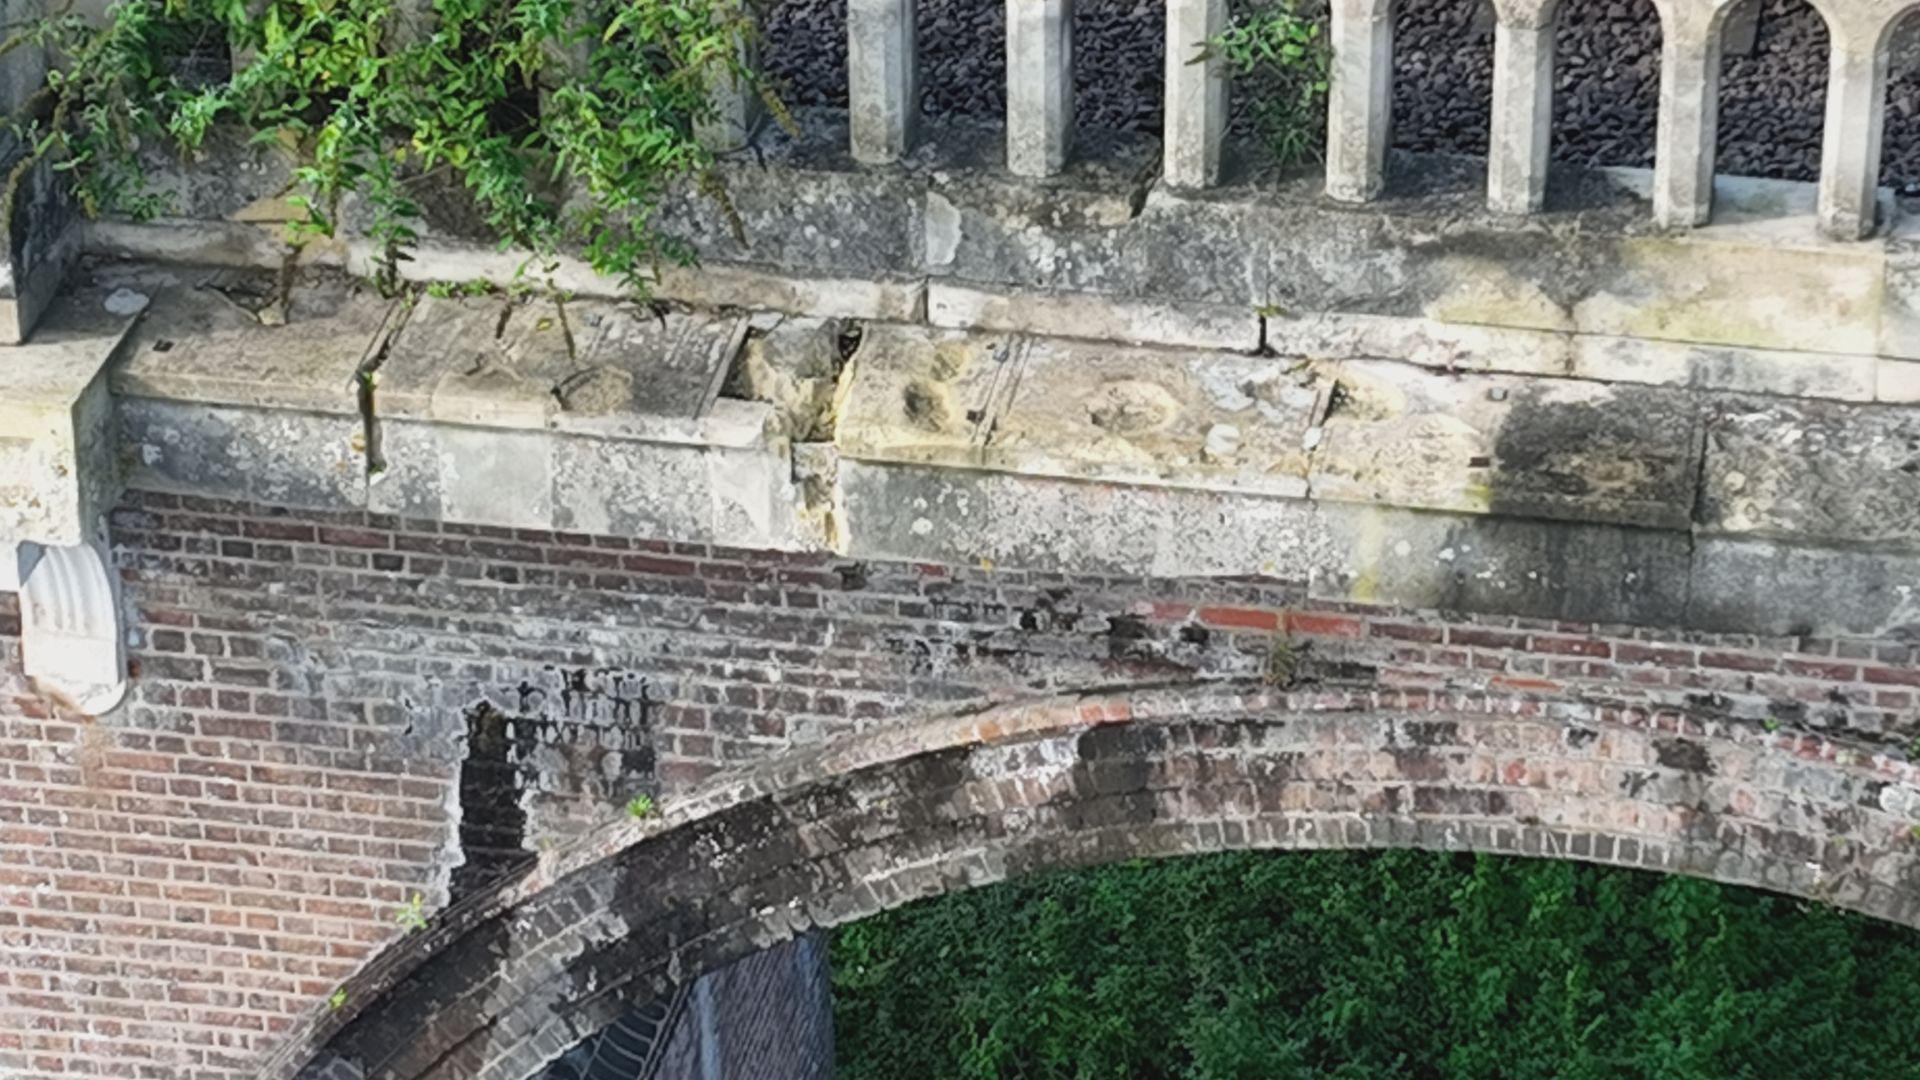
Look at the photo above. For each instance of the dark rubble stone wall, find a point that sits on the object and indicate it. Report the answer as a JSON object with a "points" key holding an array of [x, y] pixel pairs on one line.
{"points": [[1606, 85]]}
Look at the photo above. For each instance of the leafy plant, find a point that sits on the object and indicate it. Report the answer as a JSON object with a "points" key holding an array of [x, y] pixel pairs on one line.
{"points": [[412, 915], [640, 806], [337, 999], [1362, 964], [1279, 49], [565, 122]]}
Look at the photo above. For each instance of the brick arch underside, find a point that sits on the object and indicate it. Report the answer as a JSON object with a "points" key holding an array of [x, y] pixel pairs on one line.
{"points": [[829, 835]]}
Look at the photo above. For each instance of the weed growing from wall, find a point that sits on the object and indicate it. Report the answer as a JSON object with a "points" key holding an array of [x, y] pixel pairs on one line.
{"points": [[1277, 51]]}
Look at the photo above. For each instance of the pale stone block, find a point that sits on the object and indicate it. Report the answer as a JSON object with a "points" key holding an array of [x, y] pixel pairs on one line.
{"points": [[1087, 315], [1039, 86], [1898, 382], [1196, 96], [883, 78], [70, 636]]}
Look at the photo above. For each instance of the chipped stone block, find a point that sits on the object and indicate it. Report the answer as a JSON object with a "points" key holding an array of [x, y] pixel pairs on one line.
{"points": [[1220, 421], [58, 470], [501, 362]]}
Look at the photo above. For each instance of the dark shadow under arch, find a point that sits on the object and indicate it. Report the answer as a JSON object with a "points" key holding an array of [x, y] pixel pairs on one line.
{"points": [[821, 836]]}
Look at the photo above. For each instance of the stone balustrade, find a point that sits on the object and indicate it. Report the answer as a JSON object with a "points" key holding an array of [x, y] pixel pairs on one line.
{"points": [[884, 92]]}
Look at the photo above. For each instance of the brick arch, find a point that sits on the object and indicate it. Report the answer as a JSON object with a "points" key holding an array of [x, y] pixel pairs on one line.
{"points": [[831, 834]]}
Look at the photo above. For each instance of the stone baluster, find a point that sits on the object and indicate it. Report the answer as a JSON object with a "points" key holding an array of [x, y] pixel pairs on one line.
{"points": [[883, 78], [1689, 116], [1522, 110], [1360, 99], [733, 103], [1856, 118], [1039, 85], [1196, 93]]}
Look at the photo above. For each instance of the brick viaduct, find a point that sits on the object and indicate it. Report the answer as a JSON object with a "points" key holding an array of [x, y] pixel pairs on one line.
{"points": [[993, 504], [198, 872]]}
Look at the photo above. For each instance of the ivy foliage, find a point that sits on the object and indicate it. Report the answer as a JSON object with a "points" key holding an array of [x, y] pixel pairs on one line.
{"points": [[1362, 965], [1279, 50], [566, 121]]}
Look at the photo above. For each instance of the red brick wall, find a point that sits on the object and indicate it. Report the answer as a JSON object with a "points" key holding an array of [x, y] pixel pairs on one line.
{"points": [[179, 879]]}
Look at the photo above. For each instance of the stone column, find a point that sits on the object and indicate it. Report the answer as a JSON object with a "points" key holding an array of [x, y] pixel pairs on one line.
{"points": [[1196, 93], [883, 78], [734, 104], [1684, 137], [1856, 117], [1522, 115], [1360, 99], [1039, 85]]}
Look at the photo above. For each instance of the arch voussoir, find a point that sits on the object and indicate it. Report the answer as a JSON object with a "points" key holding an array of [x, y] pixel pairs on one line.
{"points": [[834, 834]]}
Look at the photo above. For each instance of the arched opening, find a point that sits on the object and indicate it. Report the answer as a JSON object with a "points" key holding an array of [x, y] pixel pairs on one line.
{"points": [[1442, 82], [1773, 90], [1900, 143], [822, 837], [1606, 82]]}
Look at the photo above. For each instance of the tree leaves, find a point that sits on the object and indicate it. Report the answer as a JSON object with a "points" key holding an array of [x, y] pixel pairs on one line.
{"points": [[1373, 964]]}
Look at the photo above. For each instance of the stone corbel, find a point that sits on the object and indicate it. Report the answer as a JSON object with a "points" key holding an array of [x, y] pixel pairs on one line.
{"points": [[70, 638]]}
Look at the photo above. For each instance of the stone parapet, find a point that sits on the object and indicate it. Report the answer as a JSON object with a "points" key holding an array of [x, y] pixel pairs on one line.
{"points": [[1106, 250]]}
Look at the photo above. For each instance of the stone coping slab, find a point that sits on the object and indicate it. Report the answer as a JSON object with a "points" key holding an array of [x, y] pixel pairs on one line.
{"points": [[228, 336], [530, 362]]}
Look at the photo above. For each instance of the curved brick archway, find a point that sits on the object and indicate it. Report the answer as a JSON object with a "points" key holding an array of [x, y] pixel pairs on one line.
{"points": [[828, 835]]}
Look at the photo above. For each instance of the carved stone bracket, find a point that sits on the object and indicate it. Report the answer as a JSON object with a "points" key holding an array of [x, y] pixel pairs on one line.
{"points": [[71, 641]]}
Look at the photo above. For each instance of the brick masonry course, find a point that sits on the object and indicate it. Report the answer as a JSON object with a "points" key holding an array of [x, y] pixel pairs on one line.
{"points": [[183, 879]]}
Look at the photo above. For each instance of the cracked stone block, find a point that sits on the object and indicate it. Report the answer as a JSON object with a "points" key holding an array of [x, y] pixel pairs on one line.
{"points": [[497, 361], [228, 337]]}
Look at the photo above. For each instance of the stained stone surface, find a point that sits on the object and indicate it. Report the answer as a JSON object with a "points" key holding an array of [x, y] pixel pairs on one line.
{"points": [[1513, 446], [1814, 470]]}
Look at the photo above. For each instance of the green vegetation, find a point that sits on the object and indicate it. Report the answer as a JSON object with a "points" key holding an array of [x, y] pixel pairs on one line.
{"points": [[565, 122], [412, 915], [640, 806], [1278, 50], [1374, 965]]}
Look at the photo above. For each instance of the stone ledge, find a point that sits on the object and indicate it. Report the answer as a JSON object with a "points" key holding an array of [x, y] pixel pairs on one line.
{"points": [[1370, 480]]}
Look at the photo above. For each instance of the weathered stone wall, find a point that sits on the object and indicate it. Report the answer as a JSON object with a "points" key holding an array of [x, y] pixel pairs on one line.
{"points": [[183, 877]]}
